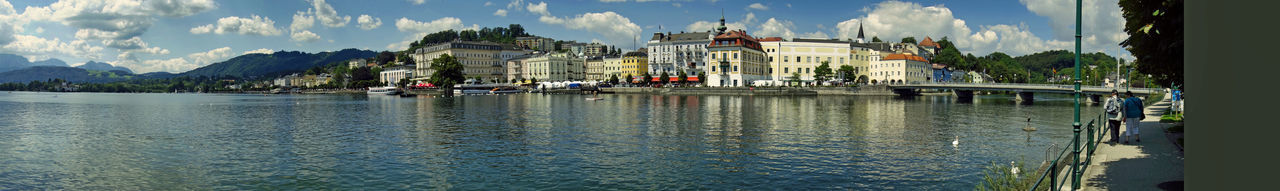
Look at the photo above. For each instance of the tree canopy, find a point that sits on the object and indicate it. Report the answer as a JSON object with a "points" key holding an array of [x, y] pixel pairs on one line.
{"points": [[1155, 37], [875, 39], [909, 39], [448, 71], [822, 72]]}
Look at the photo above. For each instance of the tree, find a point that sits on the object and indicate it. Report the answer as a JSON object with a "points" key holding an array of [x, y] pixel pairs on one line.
{"points": [[516, 30], [647, 78], [557, 45], [613, 78], [863, 79], [846, 73], [664, 78], [909, 39], [384, 57], [533, 80], [1155, 29], [875, 39], [630, 78], [448, 71], [822, 72], [702, 78], [682, 77], [795, 78]]}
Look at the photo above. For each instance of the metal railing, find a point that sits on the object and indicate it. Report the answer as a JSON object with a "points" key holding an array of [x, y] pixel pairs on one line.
{"points": [[1010, 85], [1095, 130]]}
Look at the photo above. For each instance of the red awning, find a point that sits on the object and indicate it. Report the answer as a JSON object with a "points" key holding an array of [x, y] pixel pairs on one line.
{"points": [[677, 79]]}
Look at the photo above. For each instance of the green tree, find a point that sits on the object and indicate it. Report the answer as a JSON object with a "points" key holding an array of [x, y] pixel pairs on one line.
{"points": [[909, 39], [647, 78], [795, 78], [630, 78], [516, 30], [822, 72], [875, 39], [847, 73], [384, 57], [682, 77], [1155, 29], [702, 78], [533, 80], [613, 78], [664, 78], [448, 71]]}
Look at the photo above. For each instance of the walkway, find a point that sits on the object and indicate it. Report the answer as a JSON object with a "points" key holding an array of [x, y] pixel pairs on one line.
{"points": [[1148, 165]]}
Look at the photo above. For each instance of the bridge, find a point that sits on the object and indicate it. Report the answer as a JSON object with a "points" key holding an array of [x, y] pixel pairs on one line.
{"points": [[1025, 92]]}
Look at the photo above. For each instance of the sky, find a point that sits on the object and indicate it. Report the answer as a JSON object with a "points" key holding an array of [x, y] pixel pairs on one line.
{"points": [[180, 35]]}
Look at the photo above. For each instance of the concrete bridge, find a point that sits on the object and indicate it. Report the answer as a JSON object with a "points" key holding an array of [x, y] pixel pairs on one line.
{"points": [[1025, 92]]}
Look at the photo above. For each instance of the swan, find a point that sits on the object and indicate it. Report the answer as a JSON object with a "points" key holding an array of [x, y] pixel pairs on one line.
{"points": [[956, 142], [1013, 168]]}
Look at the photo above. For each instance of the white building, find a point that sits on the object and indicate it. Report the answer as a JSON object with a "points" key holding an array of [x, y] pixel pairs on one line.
{"points": [[479, 59], [554, 67], [901, 68], [360, 62], [682, 51], [393, 75]]}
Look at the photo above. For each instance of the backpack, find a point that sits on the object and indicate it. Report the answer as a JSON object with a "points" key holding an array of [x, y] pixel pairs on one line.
{"points": [[1113, 107]]}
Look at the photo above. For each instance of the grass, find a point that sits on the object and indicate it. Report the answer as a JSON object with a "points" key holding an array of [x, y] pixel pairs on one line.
{"points": [[1000, 177], [1170, 118]]}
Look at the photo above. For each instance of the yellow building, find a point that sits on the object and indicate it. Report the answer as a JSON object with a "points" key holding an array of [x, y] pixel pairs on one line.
{"points": [[804, 56], [635, 64], [479, 59], [613, 66], [735, 59], [595, 69], [553, 67]]}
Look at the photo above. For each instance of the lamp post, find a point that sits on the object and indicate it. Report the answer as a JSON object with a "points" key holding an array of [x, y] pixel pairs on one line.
{"points": [[1075, 125]]}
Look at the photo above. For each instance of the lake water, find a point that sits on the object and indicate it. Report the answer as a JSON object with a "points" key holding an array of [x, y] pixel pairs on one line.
{"points": [[107, 141]]}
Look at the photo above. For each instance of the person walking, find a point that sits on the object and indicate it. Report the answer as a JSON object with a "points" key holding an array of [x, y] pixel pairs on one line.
{"points": [[1132, 115], [1114, 105]]}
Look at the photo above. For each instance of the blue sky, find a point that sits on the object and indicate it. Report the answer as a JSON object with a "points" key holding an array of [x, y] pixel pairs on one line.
{"points": [[180, 35]]}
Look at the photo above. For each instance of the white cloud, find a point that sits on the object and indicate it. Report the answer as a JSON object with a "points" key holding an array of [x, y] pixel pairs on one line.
{"points": [[302, 20], [211, 56], [677, 5], [175, 65], [202, 29], [758, 6], [611, 25], [540, 8], [328, 16], [304, 36], [408, 25], [255, 25], [894, 20], [417, 2], [515, 4], [774, 27], [367, 22], [788, 5], [500, 12], [259, 51], [613, 1], [41, 48], [815, 35], [702, 26], [488, 3], [1103, 24]]}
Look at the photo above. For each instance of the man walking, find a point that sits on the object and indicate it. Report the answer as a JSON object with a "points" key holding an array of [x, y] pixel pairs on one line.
{"points": [[1113, 107], [1132, 115]]}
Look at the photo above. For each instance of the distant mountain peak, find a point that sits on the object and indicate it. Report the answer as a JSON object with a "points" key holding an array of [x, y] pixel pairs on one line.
{"points": [[100, 66]]}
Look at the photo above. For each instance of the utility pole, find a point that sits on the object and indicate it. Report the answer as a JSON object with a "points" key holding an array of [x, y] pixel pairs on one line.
{"points": [[1075, 131]]}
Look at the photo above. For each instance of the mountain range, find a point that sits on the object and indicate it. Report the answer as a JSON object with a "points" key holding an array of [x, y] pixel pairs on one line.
{"points": [[14, 68], [10, 62], [91, 65]]}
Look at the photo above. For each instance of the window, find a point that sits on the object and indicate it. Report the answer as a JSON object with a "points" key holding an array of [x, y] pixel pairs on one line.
{"points": [[735, 68], [786, 70], [735, 55], [770, 59]]}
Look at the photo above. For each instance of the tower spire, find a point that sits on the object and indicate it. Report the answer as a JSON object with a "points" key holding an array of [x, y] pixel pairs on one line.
{"points": [[721, 28], [860, 37]]}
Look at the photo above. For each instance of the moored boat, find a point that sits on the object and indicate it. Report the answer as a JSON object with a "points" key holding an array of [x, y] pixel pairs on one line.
{"points": [[388, 90]]}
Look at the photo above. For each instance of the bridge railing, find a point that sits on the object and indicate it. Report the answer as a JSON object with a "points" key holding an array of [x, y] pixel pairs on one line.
{"points": [[1066, 86], [1080, 158]]}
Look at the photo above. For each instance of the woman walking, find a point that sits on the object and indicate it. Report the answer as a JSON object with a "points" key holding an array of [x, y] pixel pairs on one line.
{"points": [[1132, 115]]}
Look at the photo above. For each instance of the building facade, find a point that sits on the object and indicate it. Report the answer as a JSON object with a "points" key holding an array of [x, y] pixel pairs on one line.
{"points": [[803, 56], [595, 69], [595, 49], [901, 68], [392, 76], [635, 64], [479, 59], [553, 67], [613, 67], [536, 43], [735, 59], [515, 68], [673, 53]]}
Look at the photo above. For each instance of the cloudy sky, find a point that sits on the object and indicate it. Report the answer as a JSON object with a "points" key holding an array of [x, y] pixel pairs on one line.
{"points": [[180, 35]]}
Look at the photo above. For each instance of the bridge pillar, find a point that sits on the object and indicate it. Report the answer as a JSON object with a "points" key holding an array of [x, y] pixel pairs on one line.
{"points": [[906, 92], [964, 96], [1026, 96], [1095, 98]]}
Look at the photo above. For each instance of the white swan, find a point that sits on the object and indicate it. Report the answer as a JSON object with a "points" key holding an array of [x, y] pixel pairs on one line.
{"points": [[1013, 168], [956, 142]]}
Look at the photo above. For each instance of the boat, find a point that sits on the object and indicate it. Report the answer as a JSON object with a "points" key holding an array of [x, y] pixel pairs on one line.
{"points": [[504, 90], [484, 89], [388, 90], [595, 98]]}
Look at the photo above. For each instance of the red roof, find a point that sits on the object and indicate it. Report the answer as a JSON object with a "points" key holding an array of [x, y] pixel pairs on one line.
{"points": [[904, 57], [771, 39], [929, 42]]}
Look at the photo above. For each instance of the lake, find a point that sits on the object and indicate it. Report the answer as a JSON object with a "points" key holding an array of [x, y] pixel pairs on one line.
{"points": [[109, 141]]}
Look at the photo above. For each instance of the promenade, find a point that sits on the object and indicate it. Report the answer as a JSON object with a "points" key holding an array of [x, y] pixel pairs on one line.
{"points": [[1153, 164]]}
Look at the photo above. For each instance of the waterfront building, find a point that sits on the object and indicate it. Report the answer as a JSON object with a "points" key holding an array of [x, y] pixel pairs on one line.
{"points": [[553, 67], [595, 49], [479, 58], [927, 46], [941, 73], [682, 51], [514, 68], [536, 43], [635, 63], [393, 75], [613, 66], [736, 59], [901, 68], [803, 56], [595, 69]]}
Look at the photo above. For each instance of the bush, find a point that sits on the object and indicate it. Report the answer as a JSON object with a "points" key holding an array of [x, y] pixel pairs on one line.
{"points": [[1000, 177]]}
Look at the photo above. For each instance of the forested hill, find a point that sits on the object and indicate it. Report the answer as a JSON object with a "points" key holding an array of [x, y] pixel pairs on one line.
{"points": [[275, 64]]}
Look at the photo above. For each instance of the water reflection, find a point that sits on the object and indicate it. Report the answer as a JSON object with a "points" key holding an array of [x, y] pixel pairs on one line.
{"points": [[631, 142]]}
